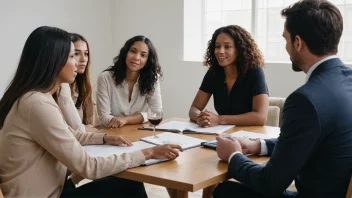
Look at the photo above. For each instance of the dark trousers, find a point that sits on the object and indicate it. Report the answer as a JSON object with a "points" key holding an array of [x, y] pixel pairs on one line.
{"points": [[238, 190], [105, 188]]}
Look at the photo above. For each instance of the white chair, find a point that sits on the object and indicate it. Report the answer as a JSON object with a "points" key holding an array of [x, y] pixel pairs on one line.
{"points": [[273, 116], [275, 102]]}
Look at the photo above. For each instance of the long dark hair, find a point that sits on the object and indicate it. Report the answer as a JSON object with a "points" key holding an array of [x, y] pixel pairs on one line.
{"points": [[44, 54], [248, 53], [82, 81], [148, 75]]}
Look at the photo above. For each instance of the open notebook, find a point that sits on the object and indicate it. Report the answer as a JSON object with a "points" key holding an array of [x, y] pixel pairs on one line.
{"points": [[239, 134], [184, 141], [188, 127], [107, 150]]}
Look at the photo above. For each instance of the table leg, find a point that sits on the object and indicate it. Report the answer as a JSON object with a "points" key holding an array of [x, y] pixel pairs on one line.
{"points": [[173, 193], [208, 191]]}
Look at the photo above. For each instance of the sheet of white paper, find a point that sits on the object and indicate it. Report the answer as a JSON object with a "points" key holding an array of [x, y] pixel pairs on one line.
{"points": [[107, 150], [179, 125], [212, 130], [184, 141], [246, 134]]}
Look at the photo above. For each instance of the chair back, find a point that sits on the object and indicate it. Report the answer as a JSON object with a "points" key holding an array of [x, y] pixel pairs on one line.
{"points": [[278, 102], [273, 116]]}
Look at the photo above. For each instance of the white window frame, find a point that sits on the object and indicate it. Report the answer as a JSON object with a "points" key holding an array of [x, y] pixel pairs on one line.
{"points": [[253, 29]]}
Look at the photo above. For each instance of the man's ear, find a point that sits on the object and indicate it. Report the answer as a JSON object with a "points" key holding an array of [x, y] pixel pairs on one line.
{"points": [[299, 43]]}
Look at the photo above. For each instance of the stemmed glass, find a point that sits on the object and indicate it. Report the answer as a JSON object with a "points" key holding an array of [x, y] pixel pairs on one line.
{"points": [[155, 116]]}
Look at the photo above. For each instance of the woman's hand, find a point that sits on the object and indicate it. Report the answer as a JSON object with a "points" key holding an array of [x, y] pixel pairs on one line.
{"points": [[166, 151], [208, 119], [116, 140], [117, 122]]}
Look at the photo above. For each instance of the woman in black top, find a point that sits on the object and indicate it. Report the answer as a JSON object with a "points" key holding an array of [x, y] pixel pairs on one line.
{"points": [[235, 79]]}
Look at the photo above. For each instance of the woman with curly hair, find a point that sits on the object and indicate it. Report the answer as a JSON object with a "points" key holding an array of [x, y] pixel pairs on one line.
{"points": [[235, 79], [126, 89]]}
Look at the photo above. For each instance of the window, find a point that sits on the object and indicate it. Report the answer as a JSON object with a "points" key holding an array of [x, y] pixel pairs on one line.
{"points": [[261, 18]]}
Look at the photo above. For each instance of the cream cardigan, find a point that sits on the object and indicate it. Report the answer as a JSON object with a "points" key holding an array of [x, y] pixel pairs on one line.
{"points": [[37, 147]]}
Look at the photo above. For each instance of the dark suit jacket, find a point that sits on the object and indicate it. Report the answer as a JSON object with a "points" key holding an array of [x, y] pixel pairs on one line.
{"points": [[315, 144]]}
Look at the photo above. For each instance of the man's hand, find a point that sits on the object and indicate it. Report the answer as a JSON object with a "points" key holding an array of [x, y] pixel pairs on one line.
{"points": [[249, 146], [117, 122], [208, 119], [227, 146], [116, 140], [166, 151]]}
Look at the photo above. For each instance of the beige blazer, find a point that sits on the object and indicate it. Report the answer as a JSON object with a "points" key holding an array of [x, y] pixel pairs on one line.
{"points": [[68, 108], [37, 147]]}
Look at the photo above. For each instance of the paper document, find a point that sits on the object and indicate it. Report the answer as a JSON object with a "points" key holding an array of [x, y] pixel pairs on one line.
{"points": [[188, 127], [184, 141], [107, 150], [246, 134]]}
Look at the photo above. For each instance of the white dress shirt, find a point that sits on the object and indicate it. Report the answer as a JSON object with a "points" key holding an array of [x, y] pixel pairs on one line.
{"points": [[263, 147], [113, 101]]}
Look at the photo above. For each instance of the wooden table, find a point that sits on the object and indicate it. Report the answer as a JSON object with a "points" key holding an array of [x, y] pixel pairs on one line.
{"points": [[194, 169]]}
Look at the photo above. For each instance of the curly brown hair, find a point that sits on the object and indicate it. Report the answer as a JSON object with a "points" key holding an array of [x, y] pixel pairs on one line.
{"points": [[248, 53]]}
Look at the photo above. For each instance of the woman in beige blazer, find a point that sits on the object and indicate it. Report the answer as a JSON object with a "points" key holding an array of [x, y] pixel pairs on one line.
{"points": [[37, 146]]}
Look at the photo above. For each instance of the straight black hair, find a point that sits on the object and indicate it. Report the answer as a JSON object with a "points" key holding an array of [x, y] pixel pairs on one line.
{"points": [[44, 55]]}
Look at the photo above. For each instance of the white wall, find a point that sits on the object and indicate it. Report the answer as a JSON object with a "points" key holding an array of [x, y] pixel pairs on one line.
{"points": [[18, 18], [107, 24]]}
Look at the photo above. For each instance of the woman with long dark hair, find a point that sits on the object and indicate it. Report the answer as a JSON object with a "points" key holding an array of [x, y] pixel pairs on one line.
{"points": [[77, 96], [81, 88], [126, 89], [235, 79], [37, 146]]}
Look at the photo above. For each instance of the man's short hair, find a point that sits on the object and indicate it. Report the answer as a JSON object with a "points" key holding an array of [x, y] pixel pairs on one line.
{"points": [[318, 22]]}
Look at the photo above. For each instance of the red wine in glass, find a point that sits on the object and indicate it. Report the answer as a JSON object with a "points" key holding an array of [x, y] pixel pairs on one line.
{"points": [[155, 122], [155, 116]]}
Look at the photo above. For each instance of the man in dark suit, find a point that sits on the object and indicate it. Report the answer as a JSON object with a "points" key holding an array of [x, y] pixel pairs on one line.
{"points": [[315, 144]]}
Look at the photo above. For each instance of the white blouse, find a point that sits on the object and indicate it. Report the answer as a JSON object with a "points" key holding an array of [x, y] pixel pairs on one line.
{"points": [[113, 101]]}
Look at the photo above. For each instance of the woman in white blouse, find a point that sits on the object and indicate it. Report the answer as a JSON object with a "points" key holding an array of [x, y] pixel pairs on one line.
{"points": [[126, 89]]}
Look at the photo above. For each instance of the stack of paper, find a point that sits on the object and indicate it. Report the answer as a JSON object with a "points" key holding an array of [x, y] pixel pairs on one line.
{"points": [[249, 135], [184, 141], [107, 150], [188, 127], [246, 134]]}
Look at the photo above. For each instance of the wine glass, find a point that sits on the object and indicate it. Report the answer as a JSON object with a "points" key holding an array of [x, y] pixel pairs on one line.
{"points": [[155, 116]]}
